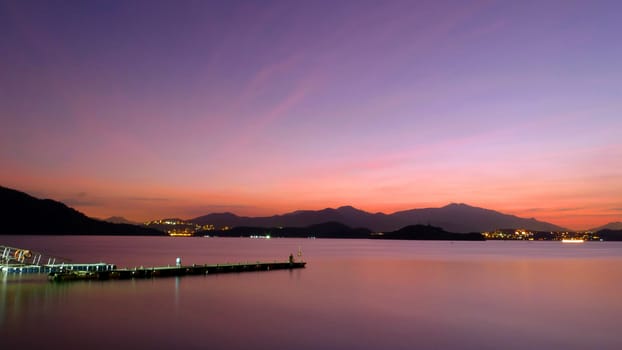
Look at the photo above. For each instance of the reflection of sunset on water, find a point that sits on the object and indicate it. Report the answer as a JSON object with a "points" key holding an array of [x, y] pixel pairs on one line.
{"points": [[353, 294]]}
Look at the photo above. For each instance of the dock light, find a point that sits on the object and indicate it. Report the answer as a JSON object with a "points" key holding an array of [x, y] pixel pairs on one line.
{"points": [[178, 261]]}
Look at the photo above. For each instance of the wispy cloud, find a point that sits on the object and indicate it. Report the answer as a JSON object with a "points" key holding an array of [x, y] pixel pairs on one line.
{"points": [[82, 199], [534, 210], [149, 199], [569, 209], [262, 120], [220, 207]]}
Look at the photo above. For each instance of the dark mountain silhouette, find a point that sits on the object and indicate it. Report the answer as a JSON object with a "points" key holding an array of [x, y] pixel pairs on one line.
{"points": [[427, 232], [453, 217], [617, 225], [221, 220], [323, 230], [464, 218], [300, 218], [610, 235], [339, 230], [23, 214]]}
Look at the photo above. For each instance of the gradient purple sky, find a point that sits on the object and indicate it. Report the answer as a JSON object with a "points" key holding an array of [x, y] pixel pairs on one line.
{"points": [[147, 109]]}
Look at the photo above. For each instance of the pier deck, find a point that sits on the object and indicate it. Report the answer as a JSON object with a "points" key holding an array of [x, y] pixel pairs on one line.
{"points": [[18, 260], [172, 271]]}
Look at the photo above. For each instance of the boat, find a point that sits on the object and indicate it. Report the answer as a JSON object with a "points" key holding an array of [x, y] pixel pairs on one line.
{"points": [[572, 240]]}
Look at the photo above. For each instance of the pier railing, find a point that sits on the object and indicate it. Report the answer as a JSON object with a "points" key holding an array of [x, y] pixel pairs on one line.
{"points": [[28, 257]]}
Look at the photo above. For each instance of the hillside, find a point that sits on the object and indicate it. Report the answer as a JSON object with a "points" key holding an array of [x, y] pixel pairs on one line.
{"points": [[339, 230], [426, 232], [610, 235], [23, 214], [617, 225], [323, 230]]}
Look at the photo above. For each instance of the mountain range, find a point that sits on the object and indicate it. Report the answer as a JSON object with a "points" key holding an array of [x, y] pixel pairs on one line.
{"points": [[454, 217], [23, 213]]}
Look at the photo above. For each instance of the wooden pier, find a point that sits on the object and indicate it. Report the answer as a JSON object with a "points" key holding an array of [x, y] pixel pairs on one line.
{"points": [[172, 271], [18, 260]]}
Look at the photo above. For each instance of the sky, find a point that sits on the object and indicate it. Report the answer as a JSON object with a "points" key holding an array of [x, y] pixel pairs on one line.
{"points": [[152, 109]]}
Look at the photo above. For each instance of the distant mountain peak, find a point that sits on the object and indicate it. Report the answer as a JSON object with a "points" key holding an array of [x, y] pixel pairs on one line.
{"points": [[460, 206], [349, 208], [615, 225], [119, 220], [453, 204]]}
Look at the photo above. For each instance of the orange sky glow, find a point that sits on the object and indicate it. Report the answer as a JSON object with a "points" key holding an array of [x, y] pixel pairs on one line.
{"points": [[262, 110]]}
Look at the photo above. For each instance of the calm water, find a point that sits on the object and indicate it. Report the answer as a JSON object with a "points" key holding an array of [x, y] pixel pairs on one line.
{"points": [[354, 294]]}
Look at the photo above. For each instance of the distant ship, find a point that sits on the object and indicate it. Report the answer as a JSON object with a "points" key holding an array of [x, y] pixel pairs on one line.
{"points": [[572, 240]]}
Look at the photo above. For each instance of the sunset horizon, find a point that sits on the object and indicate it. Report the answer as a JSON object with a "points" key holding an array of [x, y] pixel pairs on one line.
{"points": [[160, 109], [162, 211]]}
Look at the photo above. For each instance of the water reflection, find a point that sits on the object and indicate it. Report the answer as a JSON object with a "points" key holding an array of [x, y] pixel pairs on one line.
{"points": [[353, 294], [177, 281]]}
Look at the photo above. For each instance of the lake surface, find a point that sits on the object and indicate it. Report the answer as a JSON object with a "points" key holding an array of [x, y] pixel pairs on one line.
{"points": [[354, 294]]}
